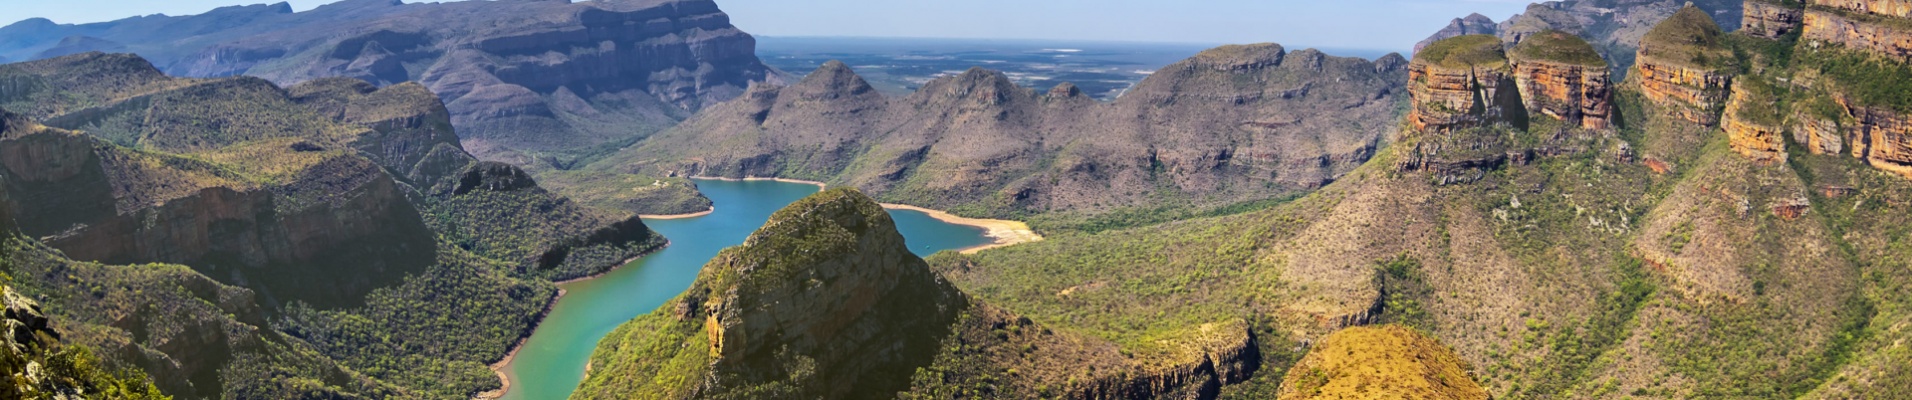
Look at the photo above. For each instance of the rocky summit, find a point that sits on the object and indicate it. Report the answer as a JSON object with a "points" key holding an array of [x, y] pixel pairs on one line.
{"points": [[528, 82], [1387, 362]]}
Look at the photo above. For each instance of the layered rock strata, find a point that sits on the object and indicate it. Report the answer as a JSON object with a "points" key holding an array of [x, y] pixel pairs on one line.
{"points": [[1685, 67], [1561, 76], [522, 79], [1890, 8], [1753, 127], [1888, 36], [1770, 20], [1461, 83], [1883, 138]]}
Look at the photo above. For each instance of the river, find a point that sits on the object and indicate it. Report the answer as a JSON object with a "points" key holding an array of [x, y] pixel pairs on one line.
{"points": [[552, 361]]}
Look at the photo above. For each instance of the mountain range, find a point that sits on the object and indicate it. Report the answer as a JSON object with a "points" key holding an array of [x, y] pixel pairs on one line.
{"points": [[1603, 199], [534, 83]]}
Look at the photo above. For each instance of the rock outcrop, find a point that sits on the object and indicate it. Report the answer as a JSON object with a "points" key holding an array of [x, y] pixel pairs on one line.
{"points": [[1685, 67], [1771, 20], [522, 79], [1882, 137], [1890, 8], [1614, 28], [1461, 83], [1887, 36], [1561, 76], [1388, 362], [1754, 126], [1473, 24], [825, 301]]}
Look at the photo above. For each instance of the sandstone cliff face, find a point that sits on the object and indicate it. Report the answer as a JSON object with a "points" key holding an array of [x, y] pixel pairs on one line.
{"points": [[1561, 76], [1759, 139], [522, 78], [1770, 20], [1890, 8], [1685, 67], [1868, 34], [1883, 138], [1447, 99]]}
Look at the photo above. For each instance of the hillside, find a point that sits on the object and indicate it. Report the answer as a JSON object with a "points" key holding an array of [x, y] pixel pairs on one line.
{"points": [[533, 83], [1233, 127], [341, 210]]}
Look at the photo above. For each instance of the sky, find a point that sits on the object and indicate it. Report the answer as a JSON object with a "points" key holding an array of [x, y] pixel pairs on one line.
{"points": [[1360, 24]]}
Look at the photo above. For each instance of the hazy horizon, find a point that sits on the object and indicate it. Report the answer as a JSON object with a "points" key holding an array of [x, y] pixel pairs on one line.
{"points": [[1392, 25]]}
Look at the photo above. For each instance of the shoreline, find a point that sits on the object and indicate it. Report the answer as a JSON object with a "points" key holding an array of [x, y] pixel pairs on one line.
{"points": [[819, 185], [713, 209], [500, 366], [1006, 233]]}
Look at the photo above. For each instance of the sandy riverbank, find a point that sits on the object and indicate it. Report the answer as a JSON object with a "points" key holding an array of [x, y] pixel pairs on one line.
{"points": [[1006, 233], [679, 216]]}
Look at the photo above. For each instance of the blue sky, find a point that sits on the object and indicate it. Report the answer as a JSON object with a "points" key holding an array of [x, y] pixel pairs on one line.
{"points": [[1369, 24]]}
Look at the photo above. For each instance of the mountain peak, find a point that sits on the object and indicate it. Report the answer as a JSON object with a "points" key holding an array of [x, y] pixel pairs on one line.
{"points": [[1558, 46], [834, 78], [1250, 56], [1464, 51]]}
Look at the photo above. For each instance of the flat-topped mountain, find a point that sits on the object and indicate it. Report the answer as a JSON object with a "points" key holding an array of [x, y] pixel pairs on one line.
{"points": [[523, 79], [1231, 125]]}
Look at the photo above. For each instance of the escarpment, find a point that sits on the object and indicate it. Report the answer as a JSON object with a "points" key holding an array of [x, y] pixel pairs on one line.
{"points": [[1460, 83], [1754, 126], [1561, 76], [524, 81], [1684, 65], [1771, 20], [1886, 35], [1232, 124], [824, 301]]}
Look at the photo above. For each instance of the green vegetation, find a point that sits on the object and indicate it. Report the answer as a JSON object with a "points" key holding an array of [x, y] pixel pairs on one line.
{"points": [[1558, 46], [1381, 362], [629, 193], [1465, 52], [1868, 79], [1760, 101], [453, 320]]}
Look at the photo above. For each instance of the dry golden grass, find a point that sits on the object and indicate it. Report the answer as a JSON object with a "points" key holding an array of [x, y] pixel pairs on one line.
{"points": [[1387, 362]]}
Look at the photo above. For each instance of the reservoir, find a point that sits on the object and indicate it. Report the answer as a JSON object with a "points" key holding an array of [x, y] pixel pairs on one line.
{"points": [[552, 361]]}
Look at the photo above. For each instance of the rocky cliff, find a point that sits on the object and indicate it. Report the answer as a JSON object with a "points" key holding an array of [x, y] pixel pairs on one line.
{"points": [[1232, 124], [525, 81], [1460, 83], [1771, 20], [1890, 8], [824, 301], [1685, 66], [1754, 126], [1561, 76], [1614, 28], [1888, 36]]}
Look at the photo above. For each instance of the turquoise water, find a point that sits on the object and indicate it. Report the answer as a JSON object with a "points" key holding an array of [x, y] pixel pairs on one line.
{"points": [[552, 362]]}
